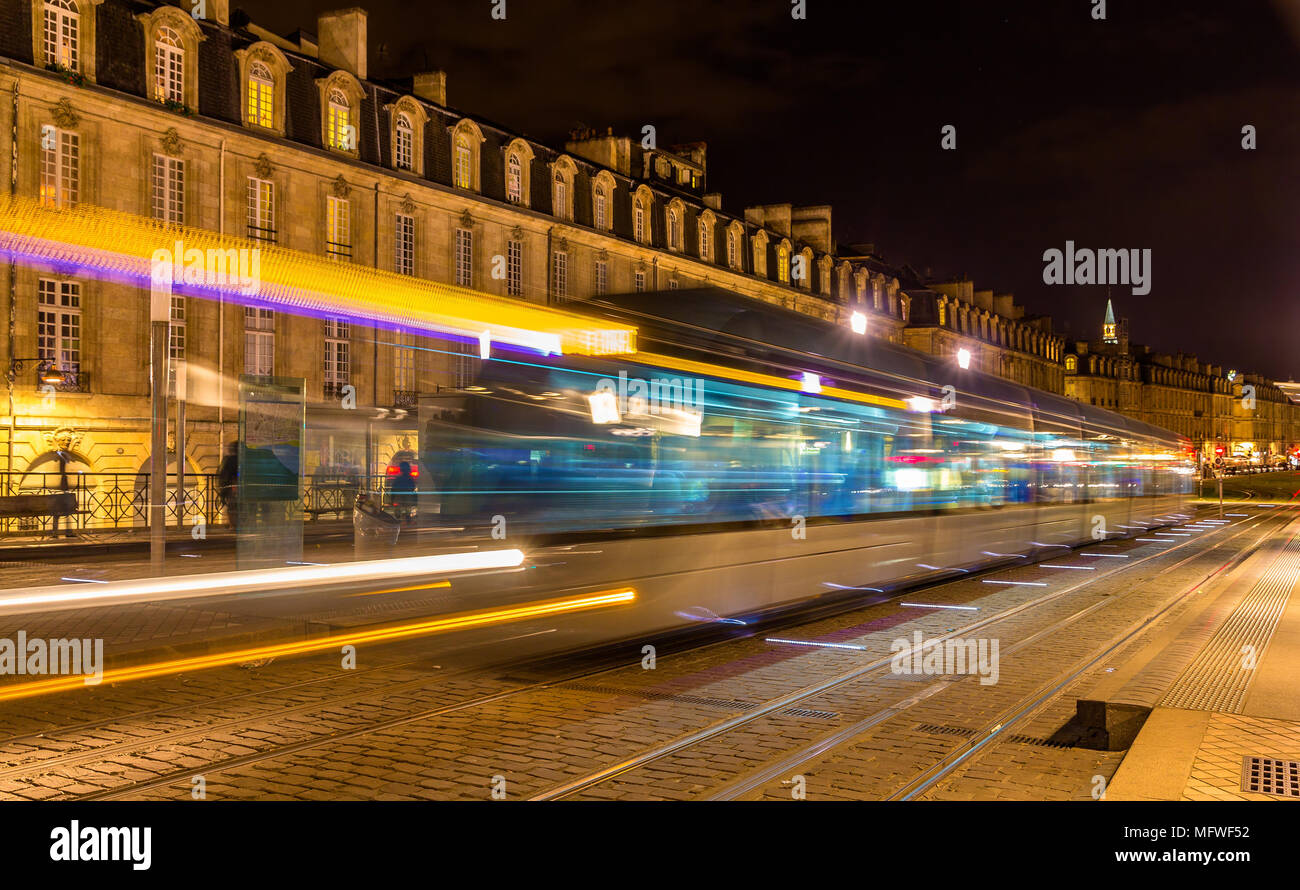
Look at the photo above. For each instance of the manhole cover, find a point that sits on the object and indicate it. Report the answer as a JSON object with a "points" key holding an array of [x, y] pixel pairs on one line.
{"points": [[1267, 776]]}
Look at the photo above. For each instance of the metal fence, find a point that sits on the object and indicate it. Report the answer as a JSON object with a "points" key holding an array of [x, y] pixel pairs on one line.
{"points": [[120, 501]]}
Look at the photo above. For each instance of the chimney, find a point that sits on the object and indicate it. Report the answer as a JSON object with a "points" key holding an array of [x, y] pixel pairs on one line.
{"points": [[714, 200], [219, 11], [342, 36], [431, 85]]}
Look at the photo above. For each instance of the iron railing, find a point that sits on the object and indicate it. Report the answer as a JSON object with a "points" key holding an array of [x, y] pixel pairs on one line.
{"points": [[120, 501]]}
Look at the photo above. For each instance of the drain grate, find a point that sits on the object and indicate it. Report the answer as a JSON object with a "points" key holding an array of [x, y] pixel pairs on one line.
{"points": [[810, 712], [1268, 776], [939, 729], [1033, 740]]}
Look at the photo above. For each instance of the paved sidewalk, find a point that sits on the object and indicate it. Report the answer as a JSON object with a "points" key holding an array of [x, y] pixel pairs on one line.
{"points": [[1239, 698]]}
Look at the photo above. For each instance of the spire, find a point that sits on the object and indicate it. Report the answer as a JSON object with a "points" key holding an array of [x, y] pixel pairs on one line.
{"points": [[1108, 333], [1110, 313]]}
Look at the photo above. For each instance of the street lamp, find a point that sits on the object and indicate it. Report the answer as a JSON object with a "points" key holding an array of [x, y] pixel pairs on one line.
{"points": [[45, 370], [963, 358], [858, 321]]}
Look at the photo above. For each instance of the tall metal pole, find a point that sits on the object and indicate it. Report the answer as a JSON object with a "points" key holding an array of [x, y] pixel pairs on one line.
{"points": [[159, 314], [181, 368]]}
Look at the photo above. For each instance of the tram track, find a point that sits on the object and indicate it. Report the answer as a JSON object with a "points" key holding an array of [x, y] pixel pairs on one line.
{"points": [[325, 740]]}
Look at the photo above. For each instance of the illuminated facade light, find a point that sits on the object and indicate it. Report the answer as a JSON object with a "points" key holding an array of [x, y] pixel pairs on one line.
{"points": [[604, 407], [921, 404], [963, 358], [858, 321], [810, 382]]}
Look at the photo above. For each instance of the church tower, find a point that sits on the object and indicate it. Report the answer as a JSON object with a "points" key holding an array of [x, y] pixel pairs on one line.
{"points": [[1108, 332]]}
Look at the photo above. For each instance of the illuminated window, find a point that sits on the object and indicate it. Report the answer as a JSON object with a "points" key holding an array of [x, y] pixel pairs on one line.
{"points": [[783, 265], [169, 189], [338, 129], [463, 261], [59, 324], [404, 244], [464, 157], [338, 228], [60, 167], [261, 210], [403, 363], [405, 144], [169, 73], [62, 24], [261, 96]]}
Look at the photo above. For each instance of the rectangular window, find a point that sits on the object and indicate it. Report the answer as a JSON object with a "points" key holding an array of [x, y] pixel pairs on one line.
{"points": [[337, 355], [169, 189], [169, 73], [60, 167], [403, 363], [261, 210], [638, 225], [61, 38], [259, 342], [640, 281], [560, 280], [59, 324], [464, 363], [602, 277], [600, 208], [404, 245], [672, 284], [261, 100], [338, 228], [175, 341], [464, 258], [515, 268]]}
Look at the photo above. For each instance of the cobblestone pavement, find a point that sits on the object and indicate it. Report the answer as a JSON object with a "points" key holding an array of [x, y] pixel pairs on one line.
{"points": [[404, 726]]}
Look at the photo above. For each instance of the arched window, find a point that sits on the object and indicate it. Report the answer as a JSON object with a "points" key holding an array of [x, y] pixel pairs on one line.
{"points": [[169, 70], [560, 198], [706, 236], [601, 208], [463, 163], [261, 96], [62, 34], [514, 179], [404, 144], [733, 249], [674, 229], [339, 132], [783, 264]]}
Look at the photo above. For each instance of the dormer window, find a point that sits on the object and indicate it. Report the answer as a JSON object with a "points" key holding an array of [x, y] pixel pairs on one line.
{"points": [[62, 34], [261, 96], [169, 70], [404, 143], [464, 157], [514, 179], [338, 127]]}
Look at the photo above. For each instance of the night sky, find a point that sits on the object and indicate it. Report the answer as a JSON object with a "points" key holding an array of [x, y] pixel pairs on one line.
{"points": [[1123, 133]]}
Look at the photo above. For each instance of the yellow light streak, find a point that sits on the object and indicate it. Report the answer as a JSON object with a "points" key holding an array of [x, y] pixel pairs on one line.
{"points": [[123, 244], [429, 586], [463, 621], [742, 376]]}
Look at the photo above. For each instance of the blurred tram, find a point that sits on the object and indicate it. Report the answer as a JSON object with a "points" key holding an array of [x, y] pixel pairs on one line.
{"points": [[747, 458]]}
